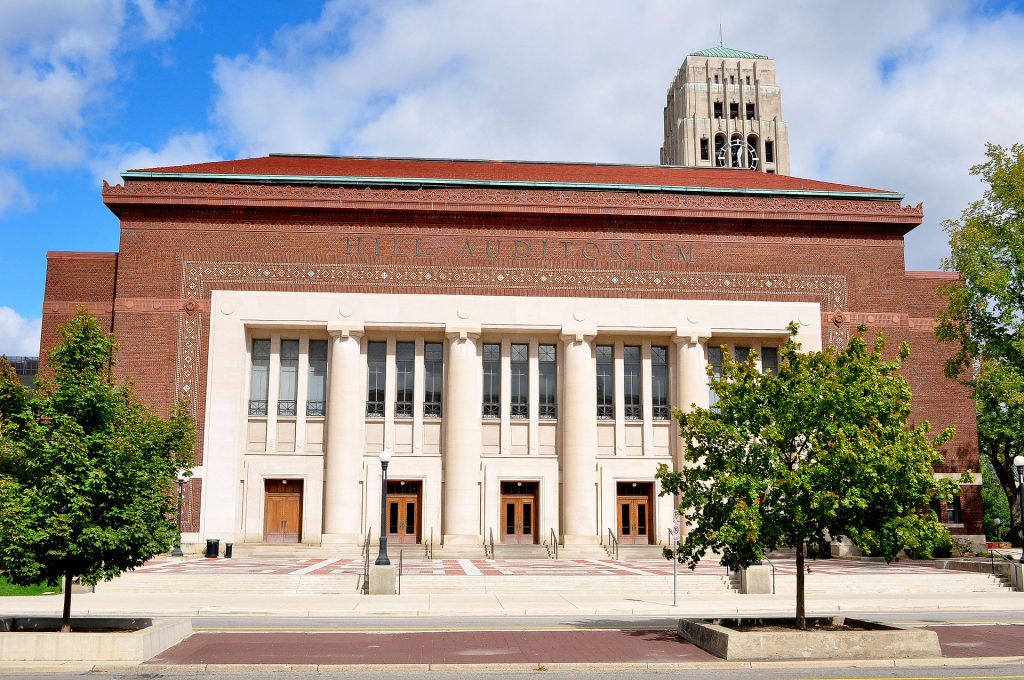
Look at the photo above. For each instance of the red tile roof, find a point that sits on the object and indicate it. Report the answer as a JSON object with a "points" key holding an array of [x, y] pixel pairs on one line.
{"points": [[508, 171]]}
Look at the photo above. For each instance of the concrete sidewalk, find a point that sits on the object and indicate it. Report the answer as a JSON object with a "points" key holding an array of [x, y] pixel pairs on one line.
{"points": [[499, 604]]}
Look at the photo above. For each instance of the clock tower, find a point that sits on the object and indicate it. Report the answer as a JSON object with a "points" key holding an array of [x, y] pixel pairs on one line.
{"points": [[725, 110]]}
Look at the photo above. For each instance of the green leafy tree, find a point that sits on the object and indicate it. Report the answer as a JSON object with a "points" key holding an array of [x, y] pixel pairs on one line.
{"points": [[821, 449], [985, 316], [87, 484]]}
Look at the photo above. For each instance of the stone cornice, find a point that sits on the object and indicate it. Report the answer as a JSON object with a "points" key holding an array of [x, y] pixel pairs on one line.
{"points": [[179, 196]]}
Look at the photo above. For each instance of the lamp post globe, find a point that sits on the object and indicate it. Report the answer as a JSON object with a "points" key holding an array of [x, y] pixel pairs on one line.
{"points": [[182, 478], [1018, 464], [382, 556]]}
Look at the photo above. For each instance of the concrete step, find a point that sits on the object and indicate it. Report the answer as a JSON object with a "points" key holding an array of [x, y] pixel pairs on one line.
{"points": [[521, 552], [582, 552], [598, 585], [923, 583], [459, 552], [296, 550], [641, 552], [241, 584]]}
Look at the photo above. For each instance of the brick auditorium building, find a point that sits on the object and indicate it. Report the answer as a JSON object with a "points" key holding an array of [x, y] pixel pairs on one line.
{"points": [[515, 333]]}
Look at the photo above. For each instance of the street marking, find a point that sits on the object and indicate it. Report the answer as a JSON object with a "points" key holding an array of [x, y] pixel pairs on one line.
{"points": [[313, 567], [425, 629], [469, 568]]}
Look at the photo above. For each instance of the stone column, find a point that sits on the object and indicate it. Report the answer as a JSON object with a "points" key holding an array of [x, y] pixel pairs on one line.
{"points": [[461, 462], [346, 418], [579, 440], [691, 386]]}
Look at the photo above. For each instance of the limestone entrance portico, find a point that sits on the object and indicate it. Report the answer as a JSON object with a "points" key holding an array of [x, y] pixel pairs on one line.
{"points": [[470, 394]]}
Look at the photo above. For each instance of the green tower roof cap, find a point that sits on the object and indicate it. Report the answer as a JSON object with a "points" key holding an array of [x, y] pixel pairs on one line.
{"points": [[728, 53]]}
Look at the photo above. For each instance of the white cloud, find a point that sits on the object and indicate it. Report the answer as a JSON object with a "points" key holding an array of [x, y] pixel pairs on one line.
{"points": [[13, 193], [19, 336], [194, 147], [56, 58]]}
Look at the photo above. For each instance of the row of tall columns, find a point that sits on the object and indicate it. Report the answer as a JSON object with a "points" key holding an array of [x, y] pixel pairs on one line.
{"points": [[462, 434]]}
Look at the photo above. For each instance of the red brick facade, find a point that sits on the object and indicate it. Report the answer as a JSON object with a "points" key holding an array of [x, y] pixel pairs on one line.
{"points": [[764, 238]]}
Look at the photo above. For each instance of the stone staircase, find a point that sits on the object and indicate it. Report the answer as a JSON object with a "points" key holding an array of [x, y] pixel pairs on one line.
{"points": [[521, 552], [627, 586], [939, 581], [233, 584]]}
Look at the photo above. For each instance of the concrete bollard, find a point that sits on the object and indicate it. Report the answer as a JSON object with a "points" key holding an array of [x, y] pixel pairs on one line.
{"points": [[756, 580], [383, 579]]}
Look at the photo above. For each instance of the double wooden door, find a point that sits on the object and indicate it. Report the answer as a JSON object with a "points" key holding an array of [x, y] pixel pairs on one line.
{"points": [[634, 513], [282, 515], [403, 510], [519, 512]]}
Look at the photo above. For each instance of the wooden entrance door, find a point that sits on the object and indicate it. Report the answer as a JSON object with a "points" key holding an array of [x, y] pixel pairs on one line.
{"points": [[403, 511], [634, 513], [518, 512], [282, 515]]}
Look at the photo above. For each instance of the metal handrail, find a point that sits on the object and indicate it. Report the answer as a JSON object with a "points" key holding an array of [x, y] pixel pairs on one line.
{"points": [[489, 551], [366, 563], [401, 554], [1003, 557], [613, 543], [772, 565], [428, 549], [554, 544]]}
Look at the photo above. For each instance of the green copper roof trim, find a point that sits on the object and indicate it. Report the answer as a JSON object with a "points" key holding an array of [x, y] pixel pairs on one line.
{"points": [[727, 53], [503, 184]]}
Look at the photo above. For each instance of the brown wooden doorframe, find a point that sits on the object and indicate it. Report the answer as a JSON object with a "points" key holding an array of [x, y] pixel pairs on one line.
{"points": [[518, 513], [633, 513], [404, 509], [282, 511]]}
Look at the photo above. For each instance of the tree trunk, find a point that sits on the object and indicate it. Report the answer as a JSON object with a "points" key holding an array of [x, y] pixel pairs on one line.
{"points": [[65, 623], [801, 622]]}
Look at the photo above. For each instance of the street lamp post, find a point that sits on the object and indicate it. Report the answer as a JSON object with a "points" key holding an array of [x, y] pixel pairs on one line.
{"points": [[181, 496], [382, 557], [1018, 463]]}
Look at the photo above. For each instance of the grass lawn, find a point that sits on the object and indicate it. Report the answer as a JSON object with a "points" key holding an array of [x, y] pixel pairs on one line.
{"points": [[7, 588]]}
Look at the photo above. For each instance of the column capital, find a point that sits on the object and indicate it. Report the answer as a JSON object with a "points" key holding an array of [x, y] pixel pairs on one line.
{"points": [[691, 336], [462, 332], [573, 334], [347, 330]]}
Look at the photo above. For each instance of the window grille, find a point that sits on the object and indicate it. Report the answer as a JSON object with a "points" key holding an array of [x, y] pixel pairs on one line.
{"points": [[433, 379], [631, 383], [659, 383], [259, 378], [376, 365], [519, 408], [288, 389], [405, 366], [316, 389], [492, 381], [547, 366], [605, 383]]}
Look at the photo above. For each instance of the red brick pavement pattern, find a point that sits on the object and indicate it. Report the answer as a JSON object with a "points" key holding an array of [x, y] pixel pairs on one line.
{"points": [[434, 647], [968, 641], [450, 567]]}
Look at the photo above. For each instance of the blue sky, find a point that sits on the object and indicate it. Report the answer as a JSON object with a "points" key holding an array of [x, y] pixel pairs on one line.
{"points": [[901, 96]]}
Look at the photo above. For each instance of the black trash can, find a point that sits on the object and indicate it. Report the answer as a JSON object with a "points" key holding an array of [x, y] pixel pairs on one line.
{"points": [[227, 549], [212, 547]]}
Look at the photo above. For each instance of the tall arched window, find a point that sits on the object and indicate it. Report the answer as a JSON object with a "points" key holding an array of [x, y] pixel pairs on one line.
{"points": [[736, 152], [720, 152], [753, 153]]}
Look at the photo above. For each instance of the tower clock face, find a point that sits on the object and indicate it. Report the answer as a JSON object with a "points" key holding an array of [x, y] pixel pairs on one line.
{"points": [[737, 154]]}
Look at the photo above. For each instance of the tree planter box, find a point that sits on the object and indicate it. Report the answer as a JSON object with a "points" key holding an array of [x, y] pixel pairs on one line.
{"points": [[34, 638], [869, 640]]}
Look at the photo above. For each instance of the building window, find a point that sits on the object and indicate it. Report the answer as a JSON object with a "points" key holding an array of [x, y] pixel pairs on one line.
{"points": [[704, 149], [716, 79], [492, 381], [715, 359], [734, 110], [954, 513], [750, 111], [770, 360], [631, 382], [433, 378], [740, 354], [316, 387], [520, 387], [718, 109], [259, 382], [605, 383], [659, 383], [720, 155], [769, 151], [548, 376], [732, 80], [748, 80], [288, 389], [405, 378], [376, 370]]}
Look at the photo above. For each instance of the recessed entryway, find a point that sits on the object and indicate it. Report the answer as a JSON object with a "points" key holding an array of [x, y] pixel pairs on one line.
{"points": [[518, 512], [282, 514], [404, 502], [634, 503]]}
